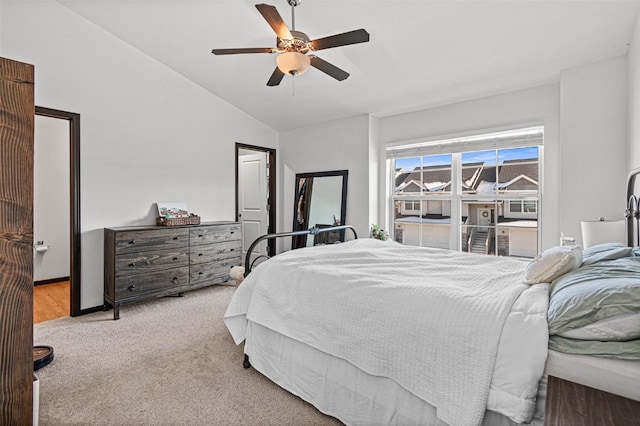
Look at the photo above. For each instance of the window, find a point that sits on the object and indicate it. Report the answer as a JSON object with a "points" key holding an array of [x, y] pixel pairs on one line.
{"points": [[412, 205], [523, 206], [482, 196]]}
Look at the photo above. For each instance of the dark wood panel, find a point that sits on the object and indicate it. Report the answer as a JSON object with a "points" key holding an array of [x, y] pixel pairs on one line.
{"points": [[573, 404], [17, 114], [136, 286], [214, 234], [149, 261], [215, 252], [135, 241], [211, 273]]}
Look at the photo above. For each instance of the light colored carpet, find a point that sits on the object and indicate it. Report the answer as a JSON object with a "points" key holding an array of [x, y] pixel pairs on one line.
{"points": [[169, 361]]}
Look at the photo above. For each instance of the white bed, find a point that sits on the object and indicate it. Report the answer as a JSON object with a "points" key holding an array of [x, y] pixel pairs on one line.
{"points": [[494, 365], [379, 333]]}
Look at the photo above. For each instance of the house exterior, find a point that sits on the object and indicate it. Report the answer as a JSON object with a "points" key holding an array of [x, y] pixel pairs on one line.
{"points": [[506, 225]]}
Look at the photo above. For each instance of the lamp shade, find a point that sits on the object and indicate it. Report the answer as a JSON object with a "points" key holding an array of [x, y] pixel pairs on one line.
{"points": [[293, 63], [602, 231]]}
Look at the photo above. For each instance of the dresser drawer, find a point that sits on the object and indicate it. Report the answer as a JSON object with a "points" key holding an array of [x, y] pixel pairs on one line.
{"points": [[149, 261], [136, 241], [165, 281], [214, 234], [215, 252], [216, 272]]}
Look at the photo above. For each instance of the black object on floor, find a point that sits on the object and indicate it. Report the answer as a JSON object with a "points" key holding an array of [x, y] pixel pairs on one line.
{"points": [[42, 355]]}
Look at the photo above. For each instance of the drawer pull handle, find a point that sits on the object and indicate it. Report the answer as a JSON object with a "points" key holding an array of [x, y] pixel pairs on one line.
{"points": [[175, 258], [132, 242], [133, 287], [232, 232], [232, 250], [199, 254], [200, 273], [132, 264], [175, 238], [175, 279], [200, 236]]}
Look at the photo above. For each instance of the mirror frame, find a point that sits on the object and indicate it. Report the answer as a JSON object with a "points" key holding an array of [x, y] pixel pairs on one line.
{"points": [[296, 241]]}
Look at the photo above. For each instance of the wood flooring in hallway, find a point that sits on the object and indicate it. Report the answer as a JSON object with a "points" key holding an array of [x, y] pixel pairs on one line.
{"points": [[51, 301]]}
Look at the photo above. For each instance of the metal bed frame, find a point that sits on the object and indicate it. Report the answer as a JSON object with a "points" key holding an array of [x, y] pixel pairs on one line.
{"points": [[632, 212], [249, 264]]}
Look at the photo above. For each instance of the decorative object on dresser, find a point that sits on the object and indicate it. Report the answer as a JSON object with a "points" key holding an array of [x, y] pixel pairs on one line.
{"points": [[175, 214], [143, 262]]}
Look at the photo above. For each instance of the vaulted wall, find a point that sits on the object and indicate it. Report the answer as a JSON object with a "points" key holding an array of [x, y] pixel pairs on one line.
{"points": [[147, 133]]}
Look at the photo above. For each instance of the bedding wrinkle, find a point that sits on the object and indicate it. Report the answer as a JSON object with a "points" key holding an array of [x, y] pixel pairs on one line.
{"points": [[429, 319]]}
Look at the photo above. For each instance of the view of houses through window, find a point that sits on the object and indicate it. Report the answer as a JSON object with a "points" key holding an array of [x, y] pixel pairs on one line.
{"points": [[494, 194]]}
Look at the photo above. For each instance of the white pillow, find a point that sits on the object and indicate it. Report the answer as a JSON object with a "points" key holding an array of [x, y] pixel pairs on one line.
{"points": [[553, 263]]}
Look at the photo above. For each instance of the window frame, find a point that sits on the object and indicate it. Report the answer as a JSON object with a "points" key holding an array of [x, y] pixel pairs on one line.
{"points": [[456, 195]]}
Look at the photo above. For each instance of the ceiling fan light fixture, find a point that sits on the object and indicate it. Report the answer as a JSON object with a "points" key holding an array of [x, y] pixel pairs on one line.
{"points": [[293, 63]]}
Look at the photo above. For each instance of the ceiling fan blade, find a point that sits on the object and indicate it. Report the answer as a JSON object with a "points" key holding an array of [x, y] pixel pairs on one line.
{"points": [[243, 50], [275, 78], [273, 18], [328, 68], [351, 37]]}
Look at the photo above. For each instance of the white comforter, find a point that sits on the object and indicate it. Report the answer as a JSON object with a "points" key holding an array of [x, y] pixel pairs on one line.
{"points": [[429, 319]]}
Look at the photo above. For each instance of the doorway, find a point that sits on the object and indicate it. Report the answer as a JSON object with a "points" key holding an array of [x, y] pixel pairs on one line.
{"points": [[256, 195], [73, 219]]}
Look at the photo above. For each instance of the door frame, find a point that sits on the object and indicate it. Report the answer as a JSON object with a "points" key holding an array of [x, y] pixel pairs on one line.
{"points": [[74, 204], [271, 196]]}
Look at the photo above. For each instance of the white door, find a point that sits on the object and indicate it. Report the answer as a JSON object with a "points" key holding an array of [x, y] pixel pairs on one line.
{"points": [[253, 187], [484, 218]]}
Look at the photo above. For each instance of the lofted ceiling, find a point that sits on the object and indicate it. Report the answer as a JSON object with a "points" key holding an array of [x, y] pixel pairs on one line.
{"points": [[421, 53]]}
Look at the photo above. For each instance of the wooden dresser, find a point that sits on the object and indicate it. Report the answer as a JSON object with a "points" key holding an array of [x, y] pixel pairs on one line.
{"points": [[143, 262]]}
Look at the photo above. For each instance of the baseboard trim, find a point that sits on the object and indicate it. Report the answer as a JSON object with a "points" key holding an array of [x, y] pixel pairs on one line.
{"points": [[51, 281], [89, 310]]}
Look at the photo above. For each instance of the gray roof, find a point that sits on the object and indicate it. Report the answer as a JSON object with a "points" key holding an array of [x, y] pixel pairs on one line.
{"points": [[474, 173]]}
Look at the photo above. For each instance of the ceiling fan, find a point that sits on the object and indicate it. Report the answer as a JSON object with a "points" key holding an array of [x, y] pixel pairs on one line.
{"points": [[295, 49]]}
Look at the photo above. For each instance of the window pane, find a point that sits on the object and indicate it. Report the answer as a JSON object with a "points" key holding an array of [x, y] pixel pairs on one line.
{"points": [[407, 176], [436, 223], [407, 222], [530, 206], [518, 239], [436, 173], [478, 226], [479, 172], [518, 169], [515, 206]]}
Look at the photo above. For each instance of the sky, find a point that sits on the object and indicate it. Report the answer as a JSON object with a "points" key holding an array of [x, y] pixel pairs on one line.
{"points": [[488, 157]]}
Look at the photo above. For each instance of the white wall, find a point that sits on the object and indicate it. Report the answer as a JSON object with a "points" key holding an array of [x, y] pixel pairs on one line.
{"points": [[539, 105], [51, 198], [147, 133], [633, 73], [593, 135], [336, 145]]}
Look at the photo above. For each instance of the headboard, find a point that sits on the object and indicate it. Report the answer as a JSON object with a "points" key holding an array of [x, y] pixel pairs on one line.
{"points": [[633, 208]]}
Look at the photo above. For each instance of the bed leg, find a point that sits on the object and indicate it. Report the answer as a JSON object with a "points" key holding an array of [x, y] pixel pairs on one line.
{"points": [[246, 363]]}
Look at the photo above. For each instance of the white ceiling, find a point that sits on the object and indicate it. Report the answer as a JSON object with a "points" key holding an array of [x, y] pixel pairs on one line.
{"points": [[421, 53]]}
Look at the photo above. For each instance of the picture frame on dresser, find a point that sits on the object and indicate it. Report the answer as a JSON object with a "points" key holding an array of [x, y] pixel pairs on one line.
{"points": [[145, 262]]}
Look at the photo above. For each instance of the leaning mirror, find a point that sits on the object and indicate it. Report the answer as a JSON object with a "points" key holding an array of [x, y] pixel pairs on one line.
{"points": [[320, 201]]}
